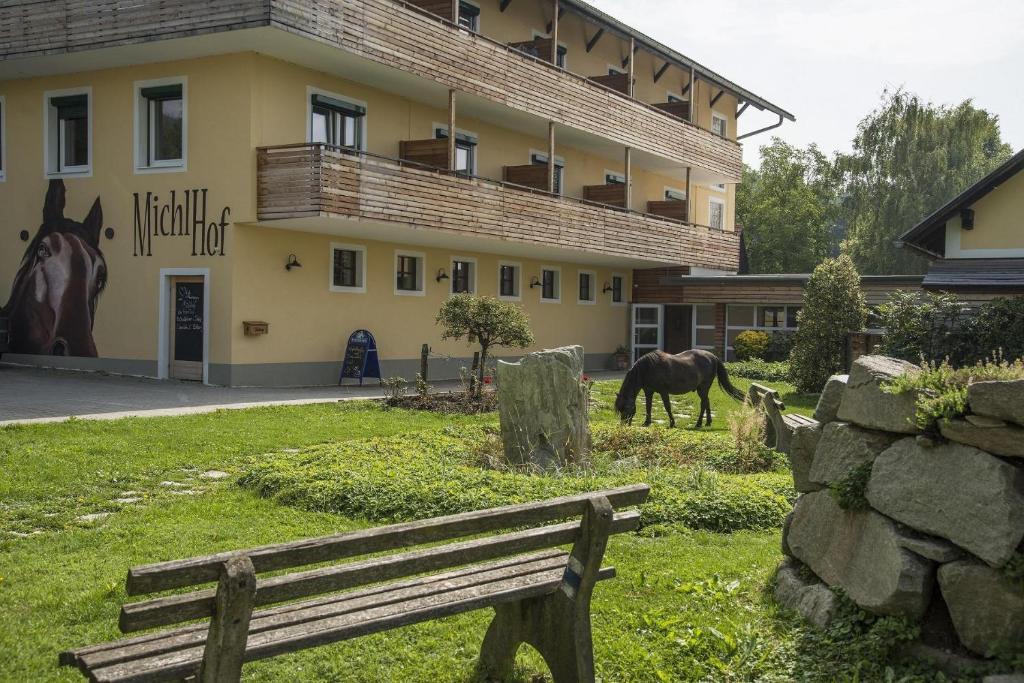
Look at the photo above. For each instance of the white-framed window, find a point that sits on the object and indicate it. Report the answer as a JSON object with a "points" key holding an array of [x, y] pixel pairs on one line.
{"points": [[509, 280], [618, 289], [718, 187], [766, 317], [704, 326], [463, 275], [67, 132], [719, 124], [540, 158], [348, 268], [647, 332], [673, 194], [716, 213], [161, 125], [465, 148], [469, 15], [587, 291], [3, 138], [551, 284], [410, 267], [613, 178], [335, 120]]}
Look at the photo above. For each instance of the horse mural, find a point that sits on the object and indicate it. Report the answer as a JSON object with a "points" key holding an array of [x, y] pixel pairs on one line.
{"points": [[52, 306], [661, 373]]}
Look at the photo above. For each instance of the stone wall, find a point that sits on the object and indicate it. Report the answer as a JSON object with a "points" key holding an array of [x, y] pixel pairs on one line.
{"points": [[924, 526]]}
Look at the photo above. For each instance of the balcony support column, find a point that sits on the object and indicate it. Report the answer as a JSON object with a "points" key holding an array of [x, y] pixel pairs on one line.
{"points": [[455, 12], [451, 130], [632, 64], [551, 157], [628, 173], [693, 95], [689, 198], [554, 35]]}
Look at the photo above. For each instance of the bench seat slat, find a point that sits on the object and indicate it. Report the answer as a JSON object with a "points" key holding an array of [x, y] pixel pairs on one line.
{"points": [[289, 638], [320, 608], [199, 604], [181, 573]]}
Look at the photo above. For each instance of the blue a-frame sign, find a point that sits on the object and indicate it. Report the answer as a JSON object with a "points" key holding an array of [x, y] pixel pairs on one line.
{"points": [[361, 359]]}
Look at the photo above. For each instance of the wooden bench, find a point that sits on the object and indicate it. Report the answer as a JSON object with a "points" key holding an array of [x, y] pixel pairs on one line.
{"points": [[778, 427], [540, 593]]}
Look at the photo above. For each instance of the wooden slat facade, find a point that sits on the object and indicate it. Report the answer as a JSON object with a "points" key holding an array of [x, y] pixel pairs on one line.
{"points": [[298, 181], [388, 32], [648, 288]]}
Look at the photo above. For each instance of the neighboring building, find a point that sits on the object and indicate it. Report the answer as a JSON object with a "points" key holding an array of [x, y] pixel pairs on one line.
{"points": [[179, 177], [708, 310], [976, 241]]}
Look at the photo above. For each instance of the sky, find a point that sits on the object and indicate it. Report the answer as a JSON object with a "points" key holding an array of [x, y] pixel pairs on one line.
{"points": [[828, 61]]}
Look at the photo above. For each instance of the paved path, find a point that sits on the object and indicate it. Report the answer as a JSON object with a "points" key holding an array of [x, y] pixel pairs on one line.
{"points": [[29, 395]]}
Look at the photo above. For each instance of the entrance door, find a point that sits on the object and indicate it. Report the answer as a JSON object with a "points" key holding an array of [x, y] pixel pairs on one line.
{"points": [[678, 329], [187, 322], [646, 329]]}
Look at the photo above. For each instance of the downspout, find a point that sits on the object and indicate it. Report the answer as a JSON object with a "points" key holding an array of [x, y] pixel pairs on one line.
{"points": [[760, 130]]}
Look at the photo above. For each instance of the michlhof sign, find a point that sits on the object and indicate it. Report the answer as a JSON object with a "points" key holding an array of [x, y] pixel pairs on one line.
{"points": [[183, 215]]}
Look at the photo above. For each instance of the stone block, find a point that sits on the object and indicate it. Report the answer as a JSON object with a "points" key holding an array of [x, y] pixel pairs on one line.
{"points": [[987, 607], [844, 447], [802, 447], [1002, 399], [988, 434], [867, 405], [809, 598], [831, 397]]}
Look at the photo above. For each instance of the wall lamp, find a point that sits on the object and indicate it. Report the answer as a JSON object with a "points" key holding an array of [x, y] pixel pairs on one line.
{"points": [[441, 275], [534, 282], [292, 262], [607, 288]]}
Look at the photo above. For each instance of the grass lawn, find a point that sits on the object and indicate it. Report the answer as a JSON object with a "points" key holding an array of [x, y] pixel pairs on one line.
{"points": [[687, 605]]}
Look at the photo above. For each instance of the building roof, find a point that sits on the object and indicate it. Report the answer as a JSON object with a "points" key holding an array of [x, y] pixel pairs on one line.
{"points": [[779, 279], [923, 235], [679, 59], [1000, 274]]}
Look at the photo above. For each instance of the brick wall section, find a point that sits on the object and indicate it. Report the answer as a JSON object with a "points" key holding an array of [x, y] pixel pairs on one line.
{"points": [[300, 181]]}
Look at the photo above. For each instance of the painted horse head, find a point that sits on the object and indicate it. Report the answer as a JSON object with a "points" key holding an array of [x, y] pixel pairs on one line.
{"points": [[53, 300]]}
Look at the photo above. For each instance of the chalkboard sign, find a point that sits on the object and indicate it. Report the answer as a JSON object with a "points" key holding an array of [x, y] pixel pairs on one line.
{"points": [[361, 359], [188, 321]]}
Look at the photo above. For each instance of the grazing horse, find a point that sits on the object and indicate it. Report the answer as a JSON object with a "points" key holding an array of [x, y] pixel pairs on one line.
{"points": [[52, 305], [661, 373]]}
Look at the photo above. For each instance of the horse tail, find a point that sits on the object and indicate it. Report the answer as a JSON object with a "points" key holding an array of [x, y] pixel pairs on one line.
{"points": [[723, 381]]}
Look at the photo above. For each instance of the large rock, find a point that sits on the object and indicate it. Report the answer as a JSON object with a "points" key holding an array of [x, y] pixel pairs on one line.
{"points": [[831, 397], [1002, 399], [808, 597], [843, 448], [988, 434], [867, 405], [801, 456], [987, 607], [957, 492], [542, 406], [860, 552]]}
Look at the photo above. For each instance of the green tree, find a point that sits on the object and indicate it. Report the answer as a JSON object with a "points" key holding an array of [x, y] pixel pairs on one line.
{"points": [[909, 158], [787, 209], [487, 322], [833, 307]]}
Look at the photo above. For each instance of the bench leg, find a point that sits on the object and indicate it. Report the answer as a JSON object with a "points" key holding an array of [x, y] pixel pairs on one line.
{"points": [[557, 625], [229, 627]]}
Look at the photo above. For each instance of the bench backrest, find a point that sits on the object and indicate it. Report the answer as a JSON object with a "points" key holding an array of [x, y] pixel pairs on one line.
{"points": [[199, 571]]}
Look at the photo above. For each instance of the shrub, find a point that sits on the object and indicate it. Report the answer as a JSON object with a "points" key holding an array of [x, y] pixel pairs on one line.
{"points": [[942, 389], [426, 475], [998, 324], [751, 344], [833, 307], [760, 369], [850, 491], [747, 426], [922, 325], [780, 346], [487, 322]]}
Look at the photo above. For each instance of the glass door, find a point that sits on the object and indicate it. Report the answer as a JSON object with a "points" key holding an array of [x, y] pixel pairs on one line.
{"points": [[647, 329]]}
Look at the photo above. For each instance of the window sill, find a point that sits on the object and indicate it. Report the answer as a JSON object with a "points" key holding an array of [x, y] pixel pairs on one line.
{"points": [[509, 298], [347, 290], [58, 175], [410, 292], [586, 302], [170, 168], [550, 301]]}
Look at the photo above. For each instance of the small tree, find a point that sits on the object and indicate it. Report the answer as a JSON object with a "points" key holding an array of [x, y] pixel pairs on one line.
{"points": [[485, 321], [833, 307]]}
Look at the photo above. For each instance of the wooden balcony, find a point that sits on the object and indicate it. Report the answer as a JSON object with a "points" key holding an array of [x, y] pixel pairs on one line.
{"points": [[392, 33], [616, 82], [442, 8], [427, 152], [530, 175], [302, 182], [680, 109], [611, 194], [539, 48], [675, 209]]}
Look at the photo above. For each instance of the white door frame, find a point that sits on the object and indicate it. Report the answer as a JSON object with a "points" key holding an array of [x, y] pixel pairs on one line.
{"points": [[163, 362], [661, 328]]}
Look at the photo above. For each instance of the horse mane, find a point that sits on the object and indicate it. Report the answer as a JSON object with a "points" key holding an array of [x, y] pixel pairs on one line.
{"points": [[633, 381]]}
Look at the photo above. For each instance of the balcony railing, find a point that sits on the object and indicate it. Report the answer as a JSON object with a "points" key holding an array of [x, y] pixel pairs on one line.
{"points": [[314, 180]]}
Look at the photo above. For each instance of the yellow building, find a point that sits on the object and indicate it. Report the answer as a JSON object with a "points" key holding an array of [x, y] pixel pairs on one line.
{"points": [[227, 191], [976, 240]]}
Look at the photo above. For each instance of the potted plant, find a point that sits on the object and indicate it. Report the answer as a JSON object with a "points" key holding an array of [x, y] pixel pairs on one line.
{"points": [[621, 358]]}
